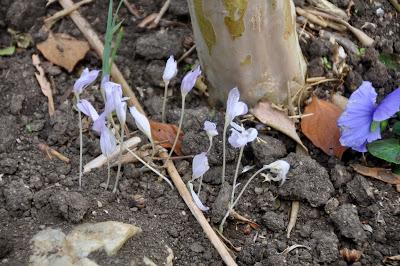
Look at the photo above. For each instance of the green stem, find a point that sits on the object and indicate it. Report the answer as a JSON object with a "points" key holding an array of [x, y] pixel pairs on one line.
{"points": [[164, 102], [179, 130], [119, 158], [224, 153], [150, 167]]}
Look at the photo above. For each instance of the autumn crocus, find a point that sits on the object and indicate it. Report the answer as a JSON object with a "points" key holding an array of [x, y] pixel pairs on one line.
{"points": [[234, 108], [238, 139], [170, 71], [199, 167], [187, 85], [360, 122], [87, 77], [211, 130]]}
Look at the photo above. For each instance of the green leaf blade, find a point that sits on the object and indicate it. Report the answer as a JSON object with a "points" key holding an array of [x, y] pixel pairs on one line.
{"points": [[387, 149]]}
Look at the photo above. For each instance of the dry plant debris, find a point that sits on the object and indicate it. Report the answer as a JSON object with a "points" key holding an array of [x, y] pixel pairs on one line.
{"points": [[321, 127], [63, 50], [52, 152], [165, 134], [382, 174], [43, 83]]}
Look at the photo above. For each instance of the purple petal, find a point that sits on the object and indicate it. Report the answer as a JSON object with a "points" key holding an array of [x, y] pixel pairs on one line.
{"points": [[237, 127], [120, 107], [210, 128], [236, 139], [189, 80], [196, 199], [251, 134], [233, 106], [110, 88], [99, 123], [108, 143], [87, 108], [200, 165], [388, 107], [87, 77]]}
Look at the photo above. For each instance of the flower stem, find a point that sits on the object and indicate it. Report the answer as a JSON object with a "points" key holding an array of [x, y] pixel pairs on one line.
{"points": [[224, 153], [108, 173], [119, 158], [80, 143], [211, 142], [164, 102], [236, 174], [200, 183], [150, 167], [179, 130]]}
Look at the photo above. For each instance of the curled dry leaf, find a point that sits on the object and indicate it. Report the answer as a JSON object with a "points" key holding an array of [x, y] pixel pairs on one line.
{"points": [[43, 83], [165, 134], [382, 174], [277, 120], [63, 50], [321, 127], [350, 255]]}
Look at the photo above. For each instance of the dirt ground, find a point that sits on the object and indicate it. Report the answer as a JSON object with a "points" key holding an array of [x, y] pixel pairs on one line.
{"points": [[338, 208]]}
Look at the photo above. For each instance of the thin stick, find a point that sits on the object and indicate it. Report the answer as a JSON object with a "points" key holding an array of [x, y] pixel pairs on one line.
{"points": [[395, 4], [132, 9], [60, 14], [293, 217], [162, 12], [97, 45], [187, 53]]}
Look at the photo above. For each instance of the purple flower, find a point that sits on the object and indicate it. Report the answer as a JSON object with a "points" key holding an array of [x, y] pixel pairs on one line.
{"points": [[111, 88], [355, 123], [170, 69], [210, 128], [200, 165], [189, 80], [87, 108], [87, 77], [99, 123], [120, 106], [108, 143], [241, 136], [234, 107]]}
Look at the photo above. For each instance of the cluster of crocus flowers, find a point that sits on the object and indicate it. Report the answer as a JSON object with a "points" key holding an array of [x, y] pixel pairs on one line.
{"points": [[360, 123]]}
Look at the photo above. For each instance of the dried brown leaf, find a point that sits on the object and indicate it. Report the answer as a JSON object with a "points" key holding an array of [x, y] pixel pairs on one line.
{"points": [[43, 83], [165, 134], [63, 50], [276, 119], [321, 127], [382, 174], [350, 255]]}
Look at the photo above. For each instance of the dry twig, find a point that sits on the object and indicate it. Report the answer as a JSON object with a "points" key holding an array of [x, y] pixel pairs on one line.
{"points": [[293, 217], [52, 152], [60, 14], [43, 83]]}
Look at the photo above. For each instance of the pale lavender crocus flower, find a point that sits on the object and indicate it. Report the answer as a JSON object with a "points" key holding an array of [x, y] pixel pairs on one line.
{"points": [[200, 165], [111, 89], [108, 143], [211, 130], [171, 69], [241, 136], [87, 108], [189, 80], [87, 77], [359, 122], [233, 106]]}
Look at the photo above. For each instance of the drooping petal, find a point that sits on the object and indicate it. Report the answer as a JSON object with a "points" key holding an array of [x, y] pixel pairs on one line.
{"points": [[108, 143], [87, 108], [236, 139], [237, 127], [171, 69], [251, 134], [210, 128], [120, 107], [141, 121], [99, 123], [388, 107], [196, 199], [87, 77], [355, 121], [189, 80], [200, 165], [233, 106]]}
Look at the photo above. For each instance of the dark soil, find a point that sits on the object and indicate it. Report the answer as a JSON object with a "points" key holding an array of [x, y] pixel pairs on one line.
{"points": [[338, 208]]}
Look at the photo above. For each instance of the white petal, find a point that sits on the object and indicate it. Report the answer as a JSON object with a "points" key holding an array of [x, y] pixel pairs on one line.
{"points": [[196, 199], [170, 69], [87, 108], [200, 165], [280, 168], [141, 121], [251, 134], [237, 127], [108, 143], [210, 128]]}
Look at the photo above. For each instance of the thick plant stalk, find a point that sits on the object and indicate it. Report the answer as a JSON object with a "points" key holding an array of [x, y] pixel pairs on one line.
{"points": [[249, 44]]}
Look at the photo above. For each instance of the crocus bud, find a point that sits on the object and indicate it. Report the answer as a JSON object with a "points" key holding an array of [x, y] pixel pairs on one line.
{"points": [[171, 69], [200, 165], [233, 106], [210, 128], [189, 80], [142, 122], [87, 77], [241, 136]]}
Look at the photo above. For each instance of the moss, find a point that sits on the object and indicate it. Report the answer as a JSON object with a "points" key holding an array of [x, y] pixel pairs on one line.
{"points": [[234, 21], [206, 27]]}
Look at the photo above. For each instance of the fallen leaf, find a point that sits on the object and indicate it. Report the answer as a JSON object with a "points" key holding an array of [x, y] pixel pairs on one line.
{"points": [[350, 255], [63, 50], [165, 134], [340, 100], [382, 174], [321, 127], [43, 83], [7, 51], [276, 119], [395, 258]]}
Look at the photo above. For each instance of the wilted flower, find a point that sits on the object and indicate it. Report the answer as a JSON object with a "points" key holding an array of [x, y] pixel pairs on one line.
{"points": [[200, 165], [120, 106], [189, 80], [280, 168], [359, 123], [87, 77], [87, 108], [141, 121], [241, 136], [233, 106], [210, 128], [111, 89], [171, 68], [108, 143], [196, 198]]}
